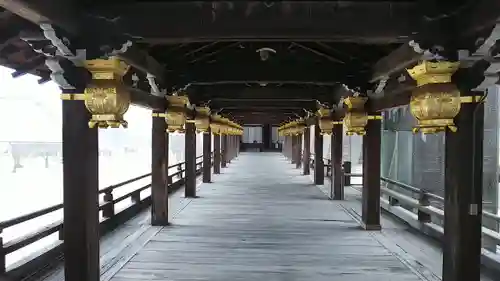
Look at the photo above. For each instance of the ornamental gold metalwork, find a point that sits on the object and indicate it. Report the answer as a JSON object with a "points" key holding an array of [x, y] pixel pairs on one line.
{"points": [[176, 113], [292, 128], [106, 97], [356, 118], [436, 101], [202, 119], [324, 122], [215, 124]]}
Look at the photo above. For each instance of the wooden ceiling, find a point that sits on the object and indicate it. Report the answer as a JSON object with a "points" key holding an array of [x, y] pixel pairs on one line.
{"points": [[316, 49]]}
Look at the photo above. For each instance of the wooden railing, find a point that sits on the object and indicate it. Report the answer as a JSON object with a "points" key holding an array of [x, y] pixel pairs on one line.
{"points": [[424, 211], [111, 218]]}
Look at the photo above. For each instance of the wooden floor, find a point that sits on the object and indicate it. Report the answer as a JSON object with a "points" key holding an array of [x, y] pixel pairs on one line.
{"points": [[261, 220]]}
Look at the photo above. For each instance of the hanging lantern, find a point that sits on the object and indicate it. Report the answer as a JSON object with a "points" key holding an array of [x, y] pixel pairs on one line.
{"points": [[202, 120], [324, 122], [176, 113], [356, 118], [436, 101], [215, 124], [106, 97]]}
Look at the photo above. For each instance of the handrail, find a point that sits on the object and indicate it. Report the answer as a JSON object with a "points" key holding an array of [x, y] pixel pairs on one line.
{"points": [[107, 206], [423, 193]]}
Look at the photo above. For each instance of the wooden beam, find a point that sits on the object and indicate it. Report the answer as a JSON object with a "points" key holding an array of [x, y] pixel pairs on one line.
{"points": [[234, 92], [307, 151], [159, 171], [266, 72], [463, 195], [141, 98], [81, 186], [223, 149], [190, 159], [40, 11], [403, 57], [383, 22], [217, 154], [298, 151], [207, 156], [83, 28], [266, 105], [451, 27], [336, 158], [371, 176], [319, 171]]}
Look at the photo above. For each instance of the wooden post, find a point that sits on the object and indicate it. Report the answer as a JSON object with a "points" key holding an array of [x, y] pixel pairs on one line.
{"points": [[298, 151], [285, 146], [190, 159], [307, 151], [159, 177], [293, 144], [337, 175], [81, 185], [223, 151], [463, 196], [238, 143], [217, 154], [319, 169], [207, 156], [230, 149], [371, 176]]}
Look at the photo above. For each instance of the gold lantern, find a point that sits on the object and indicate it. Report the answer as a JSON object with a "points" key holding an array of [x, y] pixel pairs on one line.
{"points": [[106, 97], [356, 118], [215, 124], [176, 113], [202, 120], [436, 101], [324, 123]]}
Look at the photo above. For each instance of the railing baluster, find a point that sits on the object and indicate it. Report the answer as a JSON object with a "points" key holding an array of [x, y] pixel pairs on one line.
{"points": [[347, 173], [423, 200], [109, 208], [2, 255], [136, 197]]}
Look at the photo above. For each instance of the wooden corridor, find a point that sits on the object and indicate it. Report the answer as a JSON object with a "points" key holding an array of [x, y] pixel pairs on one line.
{"points": [[259, 220], [262, 220]]}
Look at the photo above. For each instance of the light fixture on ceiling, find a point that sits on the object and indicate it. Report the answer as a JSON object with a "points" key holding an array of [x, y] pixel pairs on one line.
{"points": [[264, 53]]}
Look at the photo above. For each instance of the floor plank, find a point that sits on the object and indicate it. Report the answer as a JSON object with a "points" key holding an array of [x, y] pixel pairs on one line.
{"points": [[262, 220]]}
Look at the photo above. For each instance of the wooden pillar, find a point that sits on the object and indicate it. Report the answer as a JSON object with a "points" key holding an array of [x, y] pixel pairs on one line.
{"points": [[298, 151], [217, 154], [463, 196], [159, 170], [319, 170], [286, 146], [229, 148], [207, 156], [238, 145], [337, 175], [190, 158], [371, 176], [223, 151], [80, 188], [294, 149], [307, 151]]}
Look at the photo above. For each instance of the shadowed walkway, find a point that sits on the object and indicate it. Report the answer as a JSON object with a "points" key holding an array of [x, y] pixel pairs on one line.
{"points": [[262, 220]]}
